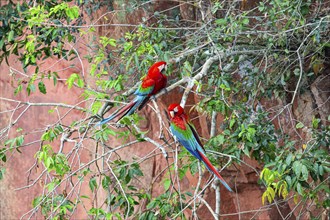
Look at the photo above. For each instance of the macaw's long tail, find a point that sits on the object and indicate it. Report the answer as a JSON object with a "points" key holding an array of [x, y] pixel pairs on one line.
{"points": [[126, 110], [213, 170]]}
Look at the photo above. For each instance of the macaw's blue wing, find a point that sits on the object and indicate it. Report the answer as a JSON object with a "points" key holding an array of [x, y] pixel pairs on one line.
{"points": [[145, 89], [142, 96]]}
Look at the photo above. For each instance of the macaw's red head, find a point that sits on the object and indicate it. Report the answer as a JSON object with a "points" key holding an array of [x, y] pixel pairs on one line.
{"points": [[157, 67], [175, 110]]}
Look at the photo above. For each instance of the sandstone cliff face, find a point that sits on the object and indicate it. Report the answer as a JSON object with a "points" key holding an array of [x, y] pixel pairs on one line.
{"points": [[244, 204]]}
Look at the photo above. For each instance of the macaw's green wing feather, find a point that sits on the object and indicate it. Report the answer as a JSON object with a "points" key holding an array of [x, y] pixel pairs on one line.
{"points": [[187, 139], [145, 88]]}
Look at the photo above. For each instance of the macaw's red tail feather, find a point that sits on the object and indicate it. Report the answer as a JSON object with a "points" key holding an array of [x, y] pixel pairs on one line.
{"points": [[121, 113], [125, 110], [212, 168]]}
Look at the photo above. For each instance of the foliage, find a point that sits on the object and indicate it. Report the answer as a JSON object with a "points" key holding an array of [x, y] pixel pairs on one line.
{"points": [[304, 170], [270, 53]]}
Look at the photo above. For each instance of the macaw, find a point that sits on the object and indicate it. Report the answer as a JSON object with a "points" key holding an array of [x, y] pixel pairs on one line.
{"points": [[151, 84], [187, 136]]}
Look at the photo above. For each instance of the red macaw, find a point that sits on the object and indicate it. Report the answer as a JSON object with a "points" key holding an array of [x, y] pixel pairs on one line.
{"points": [[186, 134], [151, 84]]}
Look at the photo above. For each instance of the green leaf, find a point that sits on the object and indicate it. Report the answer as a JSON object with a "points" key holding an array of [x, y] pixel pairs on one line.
{"points": [[36, 201], [299, 125], [19, 140], [321, 170], [92, 184], [30, 88], [3, 156], [106, 182], [73, 77], [11, 36], [49, 162], [315, 122], [289, 159], [296, 72], [220, 139], [297, 168], [304, 172], [221, 21], [2, 172], [152, 205], [245, 21], [167, 184], [271, 194], [246, 151], [80, 83], [288, 180], [2, 42], [18, 89], [42, 87], [50, 186], [112, 42], [264, 195], [232, 122], [108, 216], [300, 189]]}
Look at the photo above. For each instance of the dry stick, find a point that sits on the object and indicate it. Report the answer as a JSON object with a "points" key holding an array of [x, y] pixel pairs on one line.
{"points": [[122, 189], [192, 200], [216, 183], [205, 69], [160, 121], [151, 141], [197, 77], [215, 216], [45, 104], [73, 173], [197, 186], [64, 200]]}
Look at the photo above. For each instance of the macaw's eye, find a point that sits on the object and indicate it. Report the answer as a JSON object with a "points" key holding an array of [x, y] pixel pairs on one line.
{"points": [[175, 109]]}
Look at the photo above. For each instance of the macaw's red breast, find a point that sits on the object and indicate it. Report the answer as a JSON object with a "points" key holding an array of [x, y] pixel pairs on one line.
{"points": [[180, 122]]}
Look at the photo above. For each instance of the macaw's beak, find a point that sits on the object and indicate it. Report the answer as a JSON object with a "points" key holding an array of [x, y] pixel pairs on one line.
{"points": [[172, 114]]}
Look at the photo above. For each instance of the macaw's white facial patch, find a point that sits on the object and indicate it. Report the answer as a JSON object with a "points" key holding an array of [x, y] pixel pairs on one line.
{"points": [[176, 109], [161, 67]]}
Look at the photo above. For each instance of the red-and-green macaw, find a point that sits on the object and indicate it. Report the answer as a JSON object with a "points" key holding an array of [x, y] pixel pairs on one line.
{"points": [[151, 84], [186, 134]]}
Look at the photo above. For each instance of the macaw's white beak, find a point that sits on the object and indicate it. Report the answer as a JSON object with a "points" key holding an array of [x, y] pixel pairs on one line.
{"points": [[172, 114]]}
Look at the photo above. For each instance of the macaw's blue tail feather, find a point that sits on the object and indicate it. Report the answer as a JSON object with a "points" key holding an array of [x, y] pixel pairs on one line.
{"points": [[127, 110], [105, 120], [213, 170], [136, 103]]}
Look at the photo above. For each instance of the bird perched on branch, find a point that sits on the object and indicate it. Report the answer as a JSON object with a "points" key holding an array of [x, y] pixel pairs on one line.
{"points": [[151, 84], [186, 134]]}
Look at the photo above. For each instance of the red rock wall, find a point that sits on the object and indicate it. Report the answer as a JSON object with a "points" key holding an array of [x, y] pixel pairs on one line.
{"points": [[246, 201]]}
